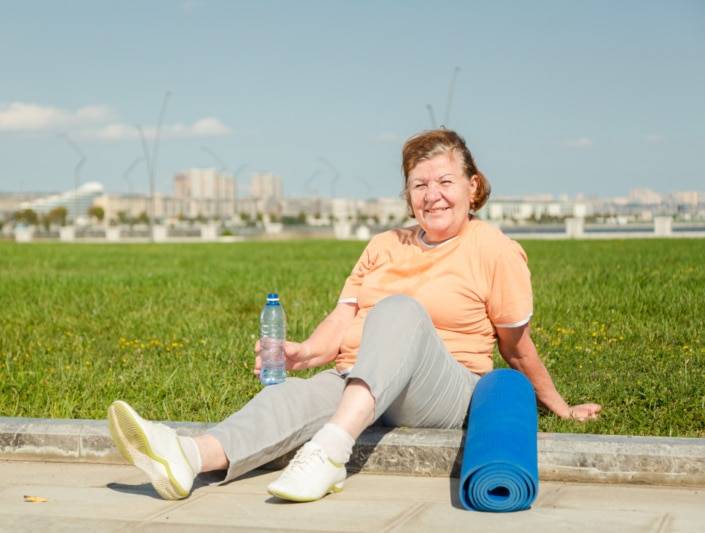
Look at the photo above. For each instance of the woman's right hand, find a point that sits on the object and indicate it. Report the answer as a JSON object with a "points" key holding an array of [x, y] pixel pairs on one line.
{"points": [[298, 356], [583, 412]]}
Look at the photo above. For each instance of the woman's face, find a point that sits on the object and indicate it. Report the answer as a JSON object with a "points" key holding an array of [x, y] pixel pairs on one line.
{"points": [[441, 194]]}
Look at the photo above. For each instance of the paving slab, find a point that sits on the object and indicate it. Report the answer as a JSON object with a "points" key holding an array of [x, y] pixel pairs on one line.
{"points": [[99, 497]]}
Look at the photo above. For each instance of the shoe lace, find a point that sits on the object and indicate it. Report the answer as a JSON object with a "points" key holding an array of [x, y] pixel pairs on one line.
{"points": [[304, 457]]}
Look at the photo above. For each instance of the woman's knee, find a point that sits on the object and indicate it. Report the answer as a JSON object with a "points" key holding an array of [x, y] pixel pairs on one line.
{"points": [[393, 332], [400, 308]]}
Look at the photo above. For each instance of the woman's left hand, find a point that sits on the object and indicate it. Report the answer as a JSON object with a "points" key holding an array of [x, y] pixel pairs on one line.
{"points": [[583, 412], [298, 357]]}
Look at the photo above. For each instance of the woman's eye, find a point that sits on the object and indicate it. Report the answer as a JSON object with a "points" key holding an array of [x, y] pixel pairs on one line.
{"points": [[446, 182], [419, 186]]}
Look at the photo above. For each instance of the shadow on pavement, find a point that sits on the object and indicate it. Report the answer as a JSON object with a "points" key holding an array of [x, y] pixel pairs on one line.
{"points": [[453, 484], [453, 480], [144, 489]]}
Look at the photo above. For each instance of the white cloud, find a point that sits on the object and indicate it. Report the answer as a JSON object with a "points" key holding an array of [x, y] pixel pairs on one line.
{"points": [[580, 142], [24, 117], [210, 127], [655, 138], [93, 122], [112, 132], [205, 127]]}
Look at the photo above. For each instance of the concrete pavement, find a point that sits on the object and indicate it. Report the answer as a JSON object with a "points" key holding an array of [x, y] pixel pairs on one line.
{"points": [[101, 497], [75, 466]]}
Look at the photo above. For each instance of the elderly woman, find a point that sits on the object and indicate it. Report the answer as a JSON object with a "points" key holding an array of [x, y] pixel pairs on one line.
{"points": [[413, 331]]}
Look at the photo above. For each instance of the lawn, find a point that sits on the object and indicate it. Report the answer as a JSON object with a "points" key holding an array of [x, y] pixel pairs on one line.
{"points": [[170, 328]]}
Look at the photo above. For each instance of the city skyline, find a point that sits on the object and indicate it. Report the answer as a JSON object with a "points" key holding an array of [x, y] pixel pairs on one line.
{"points": [[211, 185], [557, 98]]}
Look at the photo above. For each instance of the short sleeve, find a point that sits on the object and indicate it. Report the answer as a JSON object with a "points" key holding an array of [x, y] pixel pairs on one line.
{"points": [[364, 264], [510, 300]]}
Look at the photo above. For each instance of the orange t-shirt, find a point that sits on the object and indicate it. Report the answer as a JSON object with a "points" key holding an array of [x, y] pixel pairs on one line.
{"points": [[469, 285]]}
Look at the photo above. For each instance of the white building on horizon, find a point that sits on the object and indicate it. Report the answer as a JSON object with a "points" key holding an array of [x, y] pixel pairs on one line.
{"points": [[132, 206], [265, 186], [204, 192], [75, 201], [266, 195], [524, 209]]}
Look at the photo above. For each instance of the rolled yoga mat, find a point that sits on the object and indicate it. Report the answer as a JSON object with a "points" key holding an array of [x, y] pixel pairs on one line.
{"points": [[499, 472]]}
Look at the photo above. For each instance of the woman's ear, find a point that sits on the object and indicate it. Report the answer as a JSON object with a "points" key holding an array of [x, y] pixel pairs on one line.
{"points": [[474, 184]]}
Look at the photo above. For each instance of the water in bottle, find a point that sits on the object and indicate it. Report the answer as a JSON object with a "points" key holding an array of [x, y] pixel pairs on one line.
{"points": [[272, 322]]}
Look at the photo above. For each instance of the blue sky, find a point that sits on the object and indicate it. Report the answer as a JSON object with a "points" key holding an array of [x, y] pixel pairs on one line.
{"points": [[594, 97]]}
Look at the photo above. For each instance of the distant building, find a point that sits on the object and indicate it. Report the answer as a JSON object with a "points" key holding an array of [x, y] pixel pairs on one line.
{"points": [[204, 192], [319, 210], [385, 210], [266, 186], [77, 201], [524, 209], [311, 206], [10, 202], [266, 195], [645, 196], [131, 206], [690, 198]]}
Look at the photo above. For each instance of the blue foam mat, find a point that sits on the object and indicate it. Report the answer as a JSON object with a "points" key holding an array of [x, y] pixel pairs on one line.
{"points": [[499, 472]]}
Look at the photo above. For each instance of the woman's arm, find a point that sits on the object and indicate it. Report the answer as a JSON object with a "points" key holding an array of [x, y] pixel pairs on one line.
{"points": [[519, 351], [324, 343]]}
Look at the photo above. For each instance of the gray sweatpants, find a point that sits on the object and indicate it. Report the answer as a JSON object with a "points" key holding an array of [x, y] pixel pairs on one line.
{"points": [[414, 380]]}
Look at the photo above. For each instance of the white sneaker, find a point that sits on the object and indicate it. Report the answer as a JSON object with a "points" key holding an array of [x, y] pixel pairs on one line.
{"points": [[153, 448], [309, 476]]}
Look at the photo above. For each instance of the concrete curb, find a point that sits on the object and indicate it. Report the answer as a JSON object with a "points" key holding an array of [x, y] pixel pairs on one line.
{"points": [[421, 452]]}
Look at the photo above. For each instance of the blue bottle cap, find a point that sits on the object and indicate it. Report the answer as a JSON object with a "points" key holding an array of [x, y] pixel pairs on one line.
{"points": [[272, 297]]}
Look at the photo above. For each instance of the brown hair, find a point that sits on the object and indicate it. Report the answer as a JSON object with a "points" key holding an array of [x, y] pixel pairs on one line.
{"points": [[427, 145]]}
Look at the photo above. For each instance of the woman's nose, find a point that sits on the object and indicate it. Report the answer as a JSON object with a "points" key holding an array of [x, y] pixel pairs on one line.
{"points": [[433, 192]]}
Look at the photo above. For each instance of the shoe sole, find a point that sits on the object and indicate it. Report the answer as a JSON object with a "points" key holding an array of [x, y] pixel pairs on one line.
{"points": [[133, 445], [334, 488]]}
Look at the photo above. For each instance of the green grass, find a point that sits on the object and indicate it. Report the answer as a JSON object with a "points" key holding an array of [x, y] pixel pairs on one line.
{"points": [[171, 328]]}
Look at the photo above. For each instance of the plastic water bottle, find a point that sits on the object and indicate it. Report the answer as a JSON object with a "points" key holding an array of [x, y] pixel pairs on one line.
{"points": [[272, 323]]}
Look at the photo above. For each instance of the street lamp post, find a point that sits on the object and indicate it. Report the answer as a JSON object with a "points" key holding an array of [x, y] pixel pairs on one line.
{"points": [[314, 191], [148, 161], [336, 175], [236, 205], [451, 93], [431, 116], [126, 174], [152, 161]]}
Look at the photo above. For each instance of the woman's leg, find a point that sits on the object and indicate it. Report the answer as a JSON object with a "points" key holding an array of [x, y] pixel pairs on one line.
{"points": [[405, 369], [278, 419], [356, 409], [404, 374], [211, 452]]}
